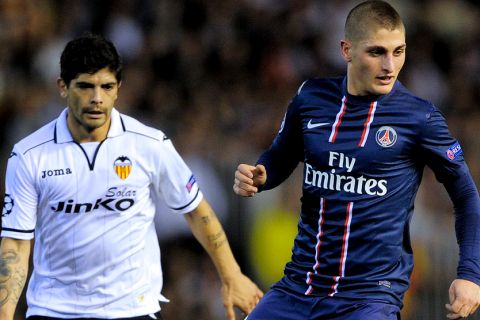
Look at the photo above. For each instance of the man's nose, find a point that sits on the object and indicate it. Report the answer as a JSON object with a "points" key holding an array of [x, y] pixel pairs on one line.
{"points": [[388, 64], [97, 96]]}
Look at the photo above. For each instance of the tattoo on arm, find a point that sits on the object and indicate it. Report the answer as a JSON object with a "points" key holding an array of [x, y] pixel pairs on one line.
{"points": [[12, 277], [205, 219], [218, 239]]}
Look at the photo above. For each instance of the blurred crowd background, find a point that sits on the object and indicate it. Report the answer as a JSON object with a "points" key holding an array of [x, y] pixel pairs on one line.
{"points": [[216, 76]]}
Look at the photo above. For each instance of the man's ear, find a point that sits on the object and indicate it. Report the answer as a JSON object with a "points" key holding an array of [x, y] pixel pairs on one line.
{"points": [[62, 87], [346, 47]]}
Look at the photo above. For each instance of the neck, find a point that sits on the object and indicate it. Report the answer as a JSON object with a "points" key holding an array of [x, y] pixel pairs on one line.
{"points": [[82, 134]]}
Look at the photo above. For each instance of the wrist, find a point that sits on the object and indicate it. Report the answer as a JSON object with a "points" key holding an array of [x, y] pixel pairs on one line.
{"points": [[230, 274]]}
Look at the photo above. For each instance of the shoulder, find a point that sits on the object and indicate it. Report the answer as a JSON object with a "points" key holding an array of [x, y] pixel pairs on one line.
{"points": [[142, 130], [407, 99], [316, 85], [317, 91], [40, 137], [422, 113]]}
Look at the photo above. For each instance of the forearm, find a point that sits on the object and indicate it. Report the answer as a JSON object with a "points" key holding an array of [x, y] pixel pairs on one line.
{"points": [[14, 255], [209, 232], [466, 202], [279, 165]]}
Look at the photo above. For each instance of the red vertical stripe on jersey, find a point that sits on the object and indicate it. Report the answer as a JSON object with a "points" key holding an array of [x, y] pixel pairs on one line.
{"points": [[343, 257], [366, 125], [338, 121], [309, 279]]}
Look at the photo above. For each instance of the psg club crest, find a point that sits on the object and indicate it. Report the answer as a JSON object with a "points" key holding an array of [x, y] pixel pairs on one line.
{"points": [[386, 136], [122, 167]]}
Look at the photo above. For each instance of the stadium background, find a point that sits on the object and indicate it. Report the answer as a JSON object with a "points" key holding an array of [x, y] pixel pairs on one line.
{"points": [[216, 76]]}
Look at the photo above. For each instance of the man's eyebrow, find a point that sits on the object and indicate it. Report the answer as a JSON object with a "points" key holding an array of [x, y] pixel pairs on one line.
{"points": [[375, 47], [382, 48], [84, 83]]}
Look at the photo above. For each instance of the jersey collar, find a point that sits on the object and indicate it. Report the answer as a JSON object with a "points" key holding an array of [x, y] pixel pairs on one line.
{"points": [[63, 135]]}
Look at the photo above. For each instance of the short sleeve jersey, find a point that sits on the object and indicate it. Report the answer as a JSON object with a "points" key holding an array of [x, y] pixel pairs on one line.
{"points": [[96, 253], [363, 161]]}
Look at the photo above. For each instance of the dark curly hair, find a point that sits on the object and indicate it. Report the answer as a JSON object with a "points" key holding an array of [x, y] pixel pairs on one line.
{"points": [[88, 54]]}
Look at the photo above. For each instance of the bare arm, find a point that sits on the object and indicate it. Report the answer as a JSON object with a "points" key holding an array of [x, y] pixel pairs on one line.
{"points": [[237, 289], [14, 256]]}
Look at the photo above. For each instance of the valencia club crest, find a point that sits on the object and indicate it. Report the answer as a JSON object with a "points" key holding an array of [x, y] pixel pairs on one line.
{"points": [[122, 167]]}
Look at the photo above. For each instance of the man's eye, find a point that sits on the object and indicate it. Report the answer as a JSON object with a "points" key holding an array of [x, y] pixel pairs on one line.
{"points": [[108, 86]]}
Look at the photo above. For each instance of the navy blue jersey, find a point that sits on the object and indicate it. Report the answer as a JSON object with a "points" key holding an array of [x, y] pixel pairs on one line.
{"points": [[363, 160]]}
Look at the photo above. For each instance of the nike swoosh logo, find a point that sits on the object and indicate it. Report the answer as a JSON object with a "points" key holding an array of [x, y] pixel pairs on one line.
{"points": [[311, 125]]}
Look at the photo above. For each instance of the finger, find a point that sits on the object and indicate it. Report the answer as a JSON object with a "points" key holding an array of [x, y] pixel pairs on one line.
{"points": [[474, 308], [259, 295], [244, 189], [462, 313], [453, 316], [242, 192], [248, 187], [246, 170], [229, 312], [451, 295], [243, 178], [456, 306]]}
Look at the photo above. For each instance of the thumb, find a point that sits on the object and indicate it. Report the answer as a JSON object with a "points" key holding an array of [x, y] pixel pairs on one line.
{"points": [[259, 170], [230, 312], [259, 175], [451, 294]]}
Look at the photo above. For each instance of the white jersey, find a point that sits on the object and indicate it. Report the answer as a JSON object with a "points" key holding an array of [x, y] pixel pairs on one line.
{"points": [[96, 253]]}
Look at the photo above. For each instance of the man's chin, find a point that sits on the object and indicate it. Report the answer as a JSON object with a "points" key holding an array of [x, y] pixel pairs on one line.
{"points": [[382, 90]]}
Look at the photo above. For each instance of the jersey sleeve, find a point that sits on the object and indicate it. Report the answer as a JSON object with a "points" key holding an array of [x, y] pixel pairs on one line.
{"points": [[19, 213], [175, 183], [286, 150], [443, 154]]}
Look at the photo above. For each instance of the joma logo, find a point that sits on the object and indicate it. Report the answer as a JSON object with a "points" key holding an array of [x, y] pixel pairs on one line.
{"points": [[55, 172]]}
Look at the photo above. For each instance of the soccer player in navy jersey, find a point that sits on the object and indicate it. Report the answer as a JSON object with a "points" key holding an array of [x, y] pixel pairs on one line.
{"points": [[81, 186], [364, 140]]}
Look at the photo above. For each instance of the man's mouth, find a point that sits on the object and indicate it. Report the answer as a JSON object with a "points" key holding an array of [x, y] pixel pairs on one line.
{"points": [[94, 113], [385, 79]]}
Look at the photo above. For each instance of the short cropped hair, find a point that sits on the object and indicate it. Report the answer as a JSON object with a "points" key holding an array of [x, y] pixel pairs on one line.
{"points": [[88, 54], [371, 14]]}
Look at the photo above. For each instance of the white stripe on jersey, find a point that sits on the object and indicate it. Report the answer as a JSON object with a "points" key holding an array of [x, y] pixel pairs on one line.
{"points": [[338, 120], [366, 126], [343, 257], [321, 212]]}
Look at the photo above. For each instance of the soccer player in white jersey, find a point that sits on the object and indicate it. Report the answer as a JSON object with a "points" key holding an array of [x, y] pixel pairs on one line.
{"points": [[81, 188]]}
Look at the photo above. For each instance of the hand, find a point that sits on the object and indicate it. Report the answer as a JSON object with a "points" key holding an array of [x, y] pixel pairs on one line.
{"points": [[248, 178], [464, 298], [238, 290]]}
